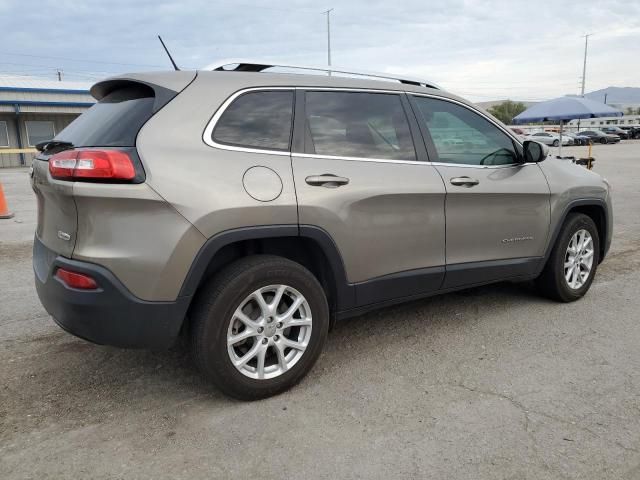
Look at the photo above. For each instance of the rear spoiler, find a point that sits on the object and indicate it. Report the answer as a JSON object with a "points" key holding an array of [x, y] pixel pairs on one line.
{"points": [[164, 85]]}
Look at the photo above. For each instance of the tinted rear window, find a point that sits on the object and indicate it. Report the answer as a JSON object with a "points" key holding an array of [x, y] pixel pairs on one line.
{"points": [[357, 124], [257, 120], [114, 121]]}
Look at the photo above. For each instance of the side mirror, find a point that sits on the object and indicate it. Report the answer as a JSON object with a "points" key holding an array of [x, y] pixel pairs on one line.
{"points": [[534, 152]]}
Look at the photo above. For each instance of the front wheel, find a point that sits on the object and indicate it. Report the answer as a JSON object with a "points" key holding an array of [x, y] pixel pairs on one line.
{"points": [[259, 326], [570, 269]]}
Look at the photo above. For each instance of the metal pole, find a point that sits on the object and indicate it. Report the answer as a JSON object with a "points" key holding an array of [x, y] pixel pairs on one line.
{"points": [[328, 12], [584, 63], [560, 152]]}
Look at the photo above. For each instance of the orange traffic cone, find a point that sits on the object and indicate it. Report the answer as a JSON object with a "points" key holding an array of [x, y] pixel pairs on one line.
{"points": [[4, 210]]}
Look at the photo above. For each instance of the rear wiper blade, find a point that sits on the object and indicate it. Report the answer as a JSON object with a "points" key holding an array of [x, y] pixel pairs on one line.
{"points": [[50, 144]]}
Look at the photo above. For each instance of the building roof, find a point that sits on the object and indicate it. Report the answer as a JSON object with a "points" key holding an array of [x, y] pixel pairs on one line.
{"points": [[39, 95], [36, 83]]}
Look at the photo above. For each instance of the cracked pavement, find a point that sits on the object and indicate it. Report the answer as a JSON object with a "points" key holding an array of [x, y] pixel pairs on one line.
{"points": [[489, 383]]}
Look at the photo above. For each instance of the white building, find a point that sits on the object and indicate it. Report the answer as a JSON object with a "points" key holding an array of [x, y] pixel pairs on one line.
{"points": [[604, 121]]}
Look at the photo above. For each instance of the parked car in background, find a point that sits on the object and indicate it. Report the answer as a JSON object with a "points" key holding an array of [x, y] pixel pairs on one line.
{"points": [[238, 208], [633, 131], [578, 139], [600, 136], [522, 135], [549, 138], [616, 131]]}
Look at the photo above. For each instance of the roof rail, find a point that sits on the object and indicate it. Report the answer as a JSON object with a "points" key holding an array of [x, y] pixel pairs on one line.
{"points": [[243, 65]]}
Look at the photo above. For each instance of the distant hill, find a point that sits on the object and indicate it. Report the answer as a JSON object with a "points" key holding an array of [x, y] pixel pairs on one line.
{"points": [[621, 96], [618, 95]]}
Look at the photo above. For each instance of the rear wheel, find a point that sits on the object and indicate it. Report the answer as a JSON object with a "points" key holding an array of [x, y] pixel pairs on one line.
{"points": [[572, 264], [603, 141], [556, 143], [259, 326]]}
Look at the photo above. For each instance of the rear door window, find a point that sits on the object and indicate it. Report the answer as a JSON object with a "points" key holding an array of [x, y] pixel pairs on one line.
{"points": [[260, 119], [357, 124], [114, 121]]}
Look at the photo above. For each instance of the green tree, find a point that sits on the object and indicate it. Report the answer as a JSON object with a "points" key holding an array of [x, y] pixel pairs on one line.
{"points": [[506, 110], [630, 111]]}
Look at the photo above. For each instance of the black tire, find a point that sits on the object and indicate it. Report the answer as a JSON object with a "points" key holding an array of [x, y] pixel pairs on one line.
{"points": [[603, 141], [213, 311], [556, 143], [551, 282]]}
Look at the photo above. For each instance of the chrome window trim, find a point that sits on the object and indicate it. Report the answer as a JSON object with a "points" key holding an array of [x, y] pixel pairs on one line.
{"points": [[407, 162], [483, 115], [359, 159], [207, 136]]}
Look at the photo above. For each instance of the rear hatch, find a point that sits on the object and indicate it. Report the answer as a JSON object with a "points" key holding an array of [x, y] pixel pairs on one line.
{"points": [[106, 133]]}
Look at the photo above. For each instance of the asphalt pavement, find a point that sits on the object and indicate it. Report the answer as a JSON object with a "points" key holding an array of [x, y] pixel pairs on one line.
{"points": [[489, 383]]}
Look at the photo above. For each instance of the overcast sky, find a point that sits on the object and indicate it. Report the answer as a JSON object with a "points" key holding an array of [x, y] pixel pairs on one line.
{"points": [[483, 50]]}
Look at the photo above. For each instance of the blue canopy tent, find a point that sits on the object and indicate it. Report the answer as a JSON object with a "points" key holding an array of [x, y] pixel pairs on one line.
{"points": [[564, 109]]}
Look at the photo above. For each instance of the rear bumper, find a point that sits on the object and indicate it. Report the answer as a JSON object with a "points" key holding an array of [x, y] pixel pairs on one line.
{"points": [[110, 315]]}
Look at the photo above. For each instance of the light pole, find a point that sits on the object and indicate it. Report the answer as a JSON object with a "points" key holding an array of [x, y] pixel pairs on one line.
{"points": [[328, 13], [584, 68], [584, 63]]}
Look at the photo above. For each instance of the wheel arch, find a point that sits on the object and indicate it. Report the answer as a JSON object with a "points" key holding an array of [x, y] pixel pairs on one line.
{"points": [[594, 208], [308, 245]]}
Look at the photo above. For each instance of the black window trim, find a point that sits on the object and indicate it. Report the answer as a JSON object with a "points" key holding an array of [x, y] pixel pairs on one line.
{"points": [[207, 136], [431, 146]]}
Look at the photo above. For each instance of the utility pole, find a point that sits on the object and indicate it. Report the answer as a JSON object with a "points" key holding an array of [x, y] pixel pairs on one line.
{"points": [[584, 63], [584, 68], [328, 13], [605, 98], [59, 73]]}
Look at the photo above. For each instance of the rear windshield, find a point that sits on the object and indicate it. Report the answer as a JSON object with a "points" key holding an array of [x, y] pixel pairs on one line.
{"points": [[114, 121]]}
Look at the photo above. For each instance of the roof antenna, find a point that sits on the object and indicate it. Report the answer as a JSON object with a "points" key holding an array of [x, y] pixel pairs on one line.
{"points": [[168, 54]]}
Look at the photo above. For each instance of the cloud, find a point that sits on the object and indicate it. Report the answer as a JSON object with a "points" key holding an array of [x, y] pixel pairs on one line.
{"points": [[480, 49]]}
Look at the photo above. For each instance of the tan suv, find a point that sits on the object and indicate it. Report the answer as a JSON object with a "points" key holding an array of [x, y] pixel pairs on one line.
{"points": [[249, 210]]}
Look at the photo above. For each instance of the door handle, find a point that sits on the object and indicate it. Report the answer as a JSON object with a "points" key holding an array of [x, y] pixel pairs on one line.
{"points": [[464, 181], [327, 180]]}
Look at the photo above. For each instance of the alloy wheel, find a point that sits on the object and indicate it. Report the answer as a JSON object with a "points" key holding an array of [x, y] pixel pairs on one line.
{"points": [[578, 259], [269, 332]]}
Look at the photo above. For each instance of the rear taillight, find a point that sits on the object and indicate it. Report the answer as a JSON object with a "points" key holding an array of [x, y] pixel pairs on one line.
{"points": [[92, 164], [76, 280]]}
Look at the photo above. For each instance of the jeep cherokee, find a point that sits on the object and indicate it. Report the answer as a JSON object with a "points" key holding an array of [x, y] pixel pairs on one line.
{"points": [[248, 210]]}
